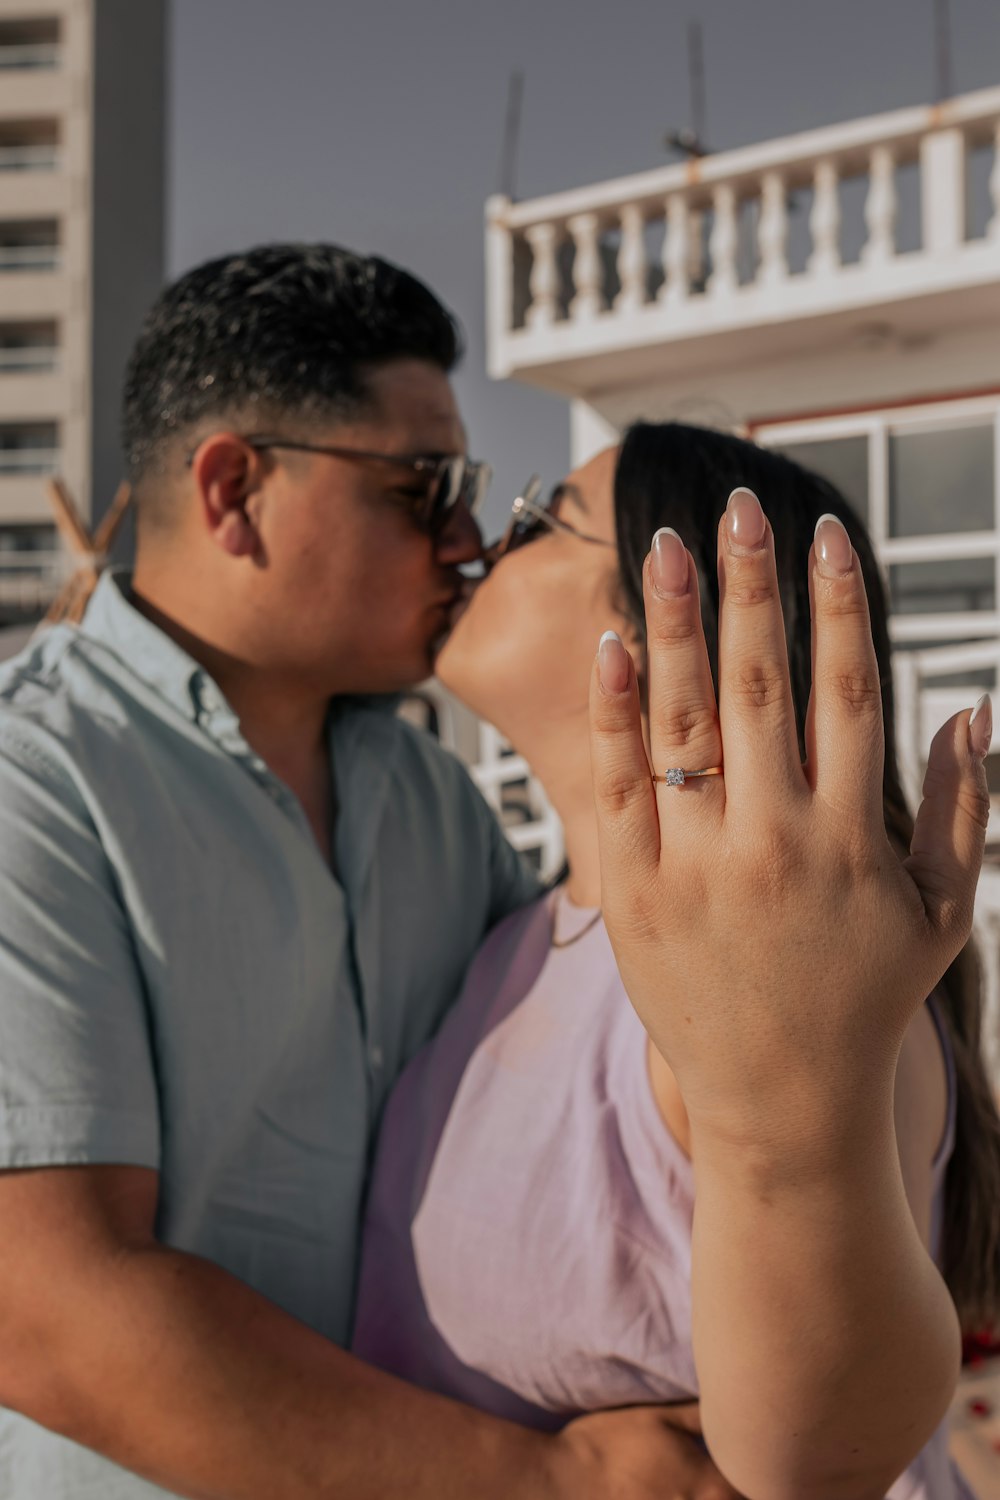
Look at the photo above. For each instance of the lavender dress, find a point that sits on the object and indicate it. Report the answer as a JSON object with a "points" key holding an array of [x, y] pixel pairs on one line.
{"points": [[527, 1247]]}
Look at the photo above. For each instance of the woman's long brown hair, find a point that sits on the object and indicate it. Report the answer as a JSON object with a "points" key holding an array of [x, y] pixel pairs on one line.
{"points": [[670, 474]]}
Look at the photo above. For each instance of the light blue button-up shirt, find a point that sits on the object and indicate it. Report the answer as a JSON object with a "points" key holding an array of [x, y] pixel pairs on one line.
{"points": [[185, 986]]}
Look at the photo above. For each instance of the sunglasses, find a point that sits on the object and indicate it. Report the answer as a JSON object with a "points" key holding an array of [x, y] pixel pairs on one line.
{"points": [[529, 520], [449, 479]]}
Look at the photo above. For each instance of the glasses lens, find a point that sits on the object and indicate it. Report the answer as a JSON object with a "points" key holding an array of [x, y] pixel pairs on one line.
{"points": [[477, 482], [459, 480]]}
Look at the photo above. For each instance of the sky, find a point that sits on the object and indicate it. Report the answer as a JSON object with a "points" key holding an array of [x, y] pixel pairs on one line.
{"points": [[379, 125]]}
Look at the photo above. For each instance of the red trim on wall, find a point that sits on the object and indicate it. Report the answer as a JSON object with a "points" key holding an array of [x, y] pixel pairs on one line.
{"points": [[756, 423]]}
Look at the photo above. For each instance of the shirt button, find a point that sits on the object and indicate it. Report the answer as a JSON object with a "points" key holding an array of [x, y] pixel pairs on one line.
{"points": [[376, 1057]]}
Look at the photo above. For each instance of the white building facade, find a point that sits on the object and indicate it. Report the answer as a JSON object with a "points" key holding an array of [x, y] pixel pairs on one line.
{"points": [[835, 294], [81, 256]]}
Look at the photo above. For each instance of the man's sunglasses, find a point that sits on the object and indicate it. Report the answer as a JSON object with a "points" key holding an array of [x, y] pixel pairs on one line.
{"points": [[447, 479]]}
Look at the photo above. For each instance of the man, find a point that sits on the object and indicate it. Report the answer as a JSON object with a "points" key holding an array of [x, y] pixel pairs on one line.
{"points": [[236, 894]]}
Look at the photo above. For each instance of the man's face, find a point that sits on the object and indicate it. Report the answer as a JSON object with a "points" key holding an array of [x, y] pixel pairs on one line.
{"points": [[362, 592]]}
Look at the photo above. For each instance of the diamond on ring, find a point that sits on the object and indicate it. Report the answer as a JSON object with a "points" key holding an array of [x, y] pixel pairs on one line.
{"points": [[674, 776]]}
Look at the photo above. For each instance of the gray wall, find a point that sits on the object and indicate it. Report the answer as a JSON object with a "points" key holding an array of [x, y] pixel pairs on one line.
{"points": [[129, 212]]}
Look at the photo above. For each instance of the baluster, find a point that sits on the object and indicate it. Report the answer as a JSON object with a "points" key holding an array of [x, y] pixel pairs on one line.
{"points": [[824, 221], [588, 273], [722, 244], [697, 268], [631, 260], [880, 209], [543, 283], [676, 283], [994, 225], [772, 233]]}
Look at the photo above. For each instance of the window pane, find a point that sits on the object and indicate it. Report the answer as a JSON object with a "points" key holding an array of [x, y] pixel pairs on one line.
{"points": [[947, 587], [843, 461], [941, 481]]}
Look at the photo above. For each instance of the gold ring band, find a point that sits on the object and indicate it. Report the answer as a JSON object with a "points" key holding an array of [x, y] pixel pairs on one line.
{"points": [[677, 775]]}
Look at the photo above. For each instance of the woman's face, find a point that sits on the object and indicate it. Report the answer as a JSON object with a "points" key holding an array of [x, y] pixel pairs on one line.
{"points": [[522, 651]]}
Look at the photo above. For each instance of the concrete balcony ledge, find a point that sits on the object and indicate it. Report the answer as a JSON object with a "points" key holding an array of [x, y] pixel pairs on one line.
{"points": [[34, 93], [598, 286], [32, 396], [24, 500], [41, 194], [28, 295]]}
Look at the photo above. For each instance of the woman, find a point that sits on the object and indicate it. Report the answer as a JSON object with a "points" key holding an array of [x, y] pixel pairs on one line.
{"points": [[531, 1243]]}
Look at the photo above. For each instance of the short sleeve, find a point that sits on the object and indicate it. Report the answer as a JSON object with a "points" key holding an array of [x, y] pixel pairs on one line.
{"points": [[77, 1082]]}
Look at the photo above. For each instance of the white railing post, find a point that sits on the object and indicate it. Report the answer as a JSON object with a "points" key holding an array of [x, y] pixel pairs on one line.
{"points": [[993, 230], [499, 280], [772, 235], [676, 283], [722, 245], [880, 208], [824, 221], [631, 260], [544, 280], [696, 249], [588, 276], [942, 191]]}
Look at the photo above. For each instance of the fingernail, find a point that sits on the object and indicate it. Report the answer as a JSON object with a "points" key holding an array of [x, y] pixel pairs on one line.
{"points": [[745, 524], [668, 564], [981, 727], [834, 553], [612, 663]]}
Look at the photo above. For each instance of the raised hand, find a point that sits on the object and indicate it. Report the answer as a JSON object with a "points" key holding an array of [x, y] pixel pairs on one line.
{"points": [[774, 943]]}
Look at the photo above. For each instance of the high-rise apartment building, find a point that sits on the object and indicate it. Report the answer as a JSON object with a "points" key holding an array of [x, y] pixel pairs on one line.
{"points": [[82, 86]]}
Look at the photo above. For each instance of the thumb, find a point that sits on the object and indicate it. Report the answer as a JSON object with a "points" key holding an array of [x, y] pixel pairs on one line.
{"points": [[946, 853]]}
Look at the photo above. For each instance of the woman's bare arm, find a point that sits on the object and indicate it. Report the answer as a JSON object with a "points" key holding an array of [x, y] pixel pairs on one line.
{"points": [[777, 950]]}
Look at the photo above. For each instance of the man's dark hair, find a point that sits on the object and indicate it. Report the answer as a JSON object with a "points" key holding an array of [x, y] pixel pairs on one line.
{"points": [[280, 331]]}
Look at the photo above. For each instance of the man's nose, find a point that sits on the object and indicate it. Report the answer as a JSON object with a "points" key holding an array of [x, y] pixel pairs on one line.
{"points": [[459, 539]]}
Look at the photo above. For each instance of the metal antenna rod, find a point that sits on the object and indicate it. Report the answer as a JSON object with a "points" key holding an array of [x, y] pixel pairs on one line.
{"points": [[696, 67], [942, 39], [512, 133], [691, 141]]}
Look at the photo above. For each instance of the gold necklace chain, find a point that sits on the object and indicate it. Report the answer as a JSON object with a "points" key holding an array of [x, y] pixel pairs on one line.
{"points": [[555, 942]]}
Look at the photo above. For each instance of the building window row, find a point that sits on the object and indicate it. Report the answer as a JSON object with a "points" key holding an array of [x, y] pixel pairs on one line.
{"points": [[30, 43], [926, 481]]}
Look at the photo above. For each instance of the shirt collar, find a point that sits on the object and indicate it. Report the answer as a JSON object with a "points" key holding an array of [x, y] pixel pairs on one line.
{"points": [[113, 620]]}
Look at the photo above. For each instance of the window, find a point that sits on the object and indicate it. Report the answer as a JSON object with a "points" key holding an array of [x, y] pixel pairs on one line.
{"points": [[924, 478], [29, 448], [32, 43]]}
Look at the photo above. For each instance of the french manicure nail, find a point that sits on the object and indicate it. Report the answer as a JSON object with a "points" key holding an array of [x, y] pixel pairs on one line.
{"points": [[745, 524], [834, 553], [612, 663], [981, 727], [668, 564]]}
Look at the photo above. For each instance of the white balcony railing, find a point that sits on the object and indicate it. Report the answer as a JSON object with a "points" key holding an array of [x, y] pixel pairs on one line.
{"points": [[39, 158], [30, 55], [29, 461], [705, 244], [31, 579], [28, 357], [29, 257]]}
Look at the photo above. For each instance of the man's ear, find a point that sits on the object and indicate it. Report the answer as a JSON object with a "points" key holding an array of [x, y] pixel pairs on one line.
{"points": [[226, 472]]}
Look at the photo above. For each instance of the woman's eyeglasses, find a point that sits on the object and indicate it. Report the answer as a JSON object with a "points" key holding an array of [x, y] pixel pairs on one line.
{"points": [[529, 520]]}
